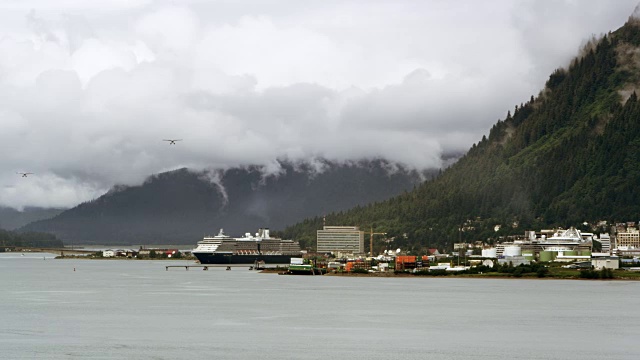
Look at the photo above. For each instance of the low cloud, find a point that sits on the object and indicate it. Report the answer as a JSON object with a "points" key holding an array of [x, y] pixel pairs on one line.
{"points": [[88, 92]]}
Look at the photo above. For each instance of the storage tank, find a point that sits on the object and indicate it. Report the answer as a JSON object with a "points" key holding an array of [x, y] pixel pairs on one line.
{"points": [[512, 250], [490, 253], [585, 252], [547, 255], [570, 253]]}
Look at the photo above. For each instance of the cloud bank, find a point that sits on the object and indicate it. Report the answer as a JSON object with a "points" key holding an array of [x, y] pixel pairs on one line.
{"points": [[87, 91]]}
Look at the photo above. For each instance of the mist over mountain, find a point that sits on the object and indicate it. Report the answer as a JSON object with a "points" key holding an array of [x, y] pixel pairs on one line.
{"points": [[568, 157], [90, 89], [11, 219], [179, 207]]}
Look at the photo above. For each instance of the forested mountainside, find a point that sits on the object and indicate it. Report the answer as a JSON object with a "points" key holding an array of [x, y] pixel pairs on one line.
{"points": [[181, 206], [568, 156], [27, 239], [11, 219]]}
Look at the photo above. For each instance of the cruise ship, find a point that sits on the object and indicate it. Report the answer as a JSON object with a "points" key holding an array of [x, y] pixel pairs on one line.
{"points": [[565, 240], [224, 249]]}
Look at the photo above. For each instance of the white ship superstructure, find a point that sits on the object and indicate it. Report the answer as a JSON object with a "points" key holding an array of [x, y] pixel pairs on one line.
{"points": [[563, 240], [210, 244]]}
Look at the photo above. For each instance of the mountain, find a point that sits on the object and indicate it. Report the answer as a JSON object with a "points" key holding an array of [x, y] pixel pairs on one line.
{"points": [[27, 239], [11, 219], [181, 206], [568, 157]]}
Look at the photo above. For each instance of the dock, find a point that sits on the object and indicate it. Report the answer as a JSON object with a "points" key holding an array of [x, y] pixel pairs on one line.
{"points": [[206, 267]]}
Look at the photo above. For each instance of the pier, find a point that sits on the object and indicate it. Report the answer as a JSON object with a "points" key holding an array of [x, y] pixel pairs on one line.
{"points": [[206, 267]]}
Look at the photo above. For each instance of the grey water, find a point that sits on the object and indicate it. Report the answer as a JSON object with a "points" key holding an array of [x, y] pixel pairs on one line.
{"points": [[133, 309]]}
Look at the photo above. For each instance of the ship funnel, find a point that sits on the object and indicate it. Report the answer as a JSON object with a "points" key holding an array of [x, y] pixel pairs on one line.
{"points": [[263, 233]]}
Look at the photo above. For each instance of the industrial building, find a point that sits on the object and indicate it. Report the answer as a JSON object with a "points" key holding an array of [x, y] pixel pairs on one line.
{"points": [[340, 239], [605, 261]]}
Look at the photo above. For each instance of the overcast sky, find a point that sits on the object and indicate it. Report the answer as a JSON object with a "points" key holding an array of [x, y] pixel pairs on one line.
{"points": [[88, 89]]}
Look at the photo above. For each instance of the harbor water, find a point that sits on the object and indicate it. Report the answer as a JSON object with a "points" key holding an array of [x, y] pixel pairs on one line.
{"points": [[117, 309]]}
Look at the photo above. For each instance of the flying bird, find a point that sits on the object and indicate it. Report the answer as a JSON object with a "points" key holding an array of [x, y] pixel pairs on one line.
{"points": [[172, 141], [24, 174]]}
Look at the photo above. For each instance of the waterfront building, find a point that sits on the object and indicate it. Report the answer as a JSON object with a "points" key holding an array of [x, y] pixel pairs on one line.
{"points": [[605, 261], [440, 266], [407, 262], [605, 240], [514, 260], [344, 239], [490, 253], [119, 253], [626, 251], [158, 252], [629, 238]]}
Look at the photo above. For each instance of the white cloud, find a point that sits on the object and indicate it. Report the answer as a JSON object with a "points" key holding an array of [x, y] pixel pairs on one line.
{"points": [[88, 89]]}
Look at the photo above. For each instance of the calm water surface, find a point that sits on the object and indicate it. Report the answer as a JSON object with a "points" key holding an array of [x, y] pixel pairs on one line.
{"points": [[137, 310]]}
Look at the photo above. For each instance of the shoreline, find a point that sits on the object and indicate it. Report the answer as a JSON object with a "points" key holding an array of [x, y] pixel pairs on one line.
{"points": [[275, 270], [468, 276]]}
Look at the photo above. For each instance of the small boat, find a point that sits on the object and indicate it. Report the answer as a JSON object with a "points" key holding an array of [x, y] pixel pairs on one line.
{"points": [[304, 269]]}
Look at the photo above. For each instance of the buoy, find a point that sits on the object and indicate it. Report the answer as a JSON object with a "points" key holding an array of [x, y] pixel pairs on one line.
{"points": [[74, 269]]}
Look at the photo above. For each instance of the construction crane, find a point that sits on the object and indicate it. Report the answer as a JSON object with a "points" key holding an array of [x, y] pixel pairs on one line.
{"points": [[371, 240]]}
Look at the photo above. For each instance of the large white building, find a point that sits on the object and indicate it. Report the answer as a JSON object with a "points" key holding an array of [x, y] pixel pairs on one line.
{"points": [[343, 239], [605, 261], [605, 240]]}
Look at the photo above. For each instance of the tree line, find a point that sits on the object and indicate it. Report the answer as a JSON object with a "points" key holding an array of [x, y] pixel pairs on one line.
{"points": [[28, 239]]}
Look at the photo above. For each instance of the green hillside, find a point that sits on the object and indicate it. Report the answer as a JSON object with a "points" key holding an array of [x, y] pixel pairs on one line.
{"points": [[568, 156], [27, 239]]}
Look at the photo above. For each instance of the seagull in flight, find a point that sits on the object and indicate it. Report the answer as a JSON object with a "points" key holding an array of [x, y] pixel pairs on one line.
{"points": [[24, 174], [172, 141]]}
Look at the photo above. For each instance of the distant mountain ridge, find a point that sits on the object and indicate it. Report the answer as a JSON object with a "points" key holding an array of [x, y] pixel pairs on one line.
{"points": [[181, 206], [568, 157], [11, 219]]}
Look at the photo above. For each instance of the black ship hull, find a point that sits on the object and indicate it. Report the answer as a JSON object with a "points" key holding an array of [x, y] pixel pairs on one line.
{"points": [[209, 258]]}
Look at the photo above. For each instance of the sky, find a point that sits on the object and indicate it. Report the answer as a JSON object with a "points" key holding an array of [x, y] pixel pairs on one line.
{"points": [[89, 89]]}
